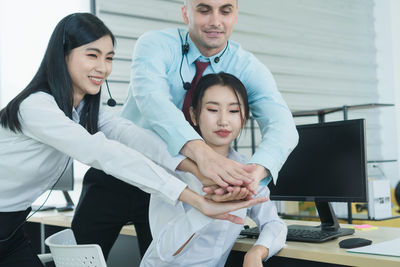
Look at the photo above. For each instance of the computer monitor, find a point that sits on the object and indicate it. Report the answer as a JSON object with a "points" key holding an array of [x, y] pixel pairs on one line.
{"points": [[328, 164], [65, 183]]}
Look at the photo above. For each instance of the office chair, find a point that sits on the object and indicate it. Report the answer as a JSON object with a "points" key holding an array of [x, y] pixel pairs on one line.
{"points": [[66, 253]]}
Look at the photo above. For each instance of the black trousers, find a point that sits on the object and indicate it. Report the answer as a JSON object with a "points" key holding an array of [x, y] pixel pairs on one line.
{"points": [[16, 251], [107, 204]]}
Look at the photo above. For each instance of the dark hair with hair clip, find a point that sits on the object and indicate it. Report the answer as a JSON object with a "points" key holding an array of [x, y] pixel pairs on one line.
{"points": [[223, 79], [53, 77]]}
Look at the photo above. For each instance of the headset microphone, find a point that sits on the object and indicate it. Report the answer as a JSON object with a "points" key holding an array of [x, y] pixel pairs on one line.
{"points": [[185, 48], [187, 86], [110, 102]]}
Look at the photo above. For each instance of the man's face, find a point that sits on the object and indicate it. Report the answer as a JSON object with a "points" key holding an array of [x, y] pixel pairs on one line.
{"points": [[210, 23]]}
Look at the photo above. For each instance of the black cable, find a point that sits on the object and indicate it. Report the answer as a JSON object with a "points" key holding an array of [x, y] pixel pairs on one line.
{"points": [[185, 49], [41, 206]]}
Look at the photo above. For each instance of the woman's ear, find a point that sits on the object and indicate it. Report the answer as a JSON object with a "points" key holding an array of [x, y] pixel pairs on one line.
{"points": [[192, 116]]}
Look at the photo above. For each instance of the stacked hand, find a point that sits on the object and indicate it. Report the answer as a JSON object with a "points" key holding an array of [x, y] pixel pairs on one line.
{"points": [[220, 194]]}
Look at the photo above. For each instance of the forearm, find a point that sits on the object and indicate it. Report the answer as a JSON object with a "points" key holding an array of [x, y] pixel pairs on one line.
{"points": [[188, 165], [192, 198], [260, 172], [257, 253], [195, 150]]}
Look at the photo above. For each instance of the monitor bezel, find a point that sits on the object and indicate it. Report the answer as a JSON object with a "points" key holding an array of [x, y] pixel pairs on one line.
{"points": [[361, 198]]}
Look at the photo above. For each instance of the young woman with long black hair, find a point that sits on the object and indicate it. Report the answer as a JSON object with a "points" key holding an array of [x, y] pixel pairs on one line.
{"points": [[58, 117]]}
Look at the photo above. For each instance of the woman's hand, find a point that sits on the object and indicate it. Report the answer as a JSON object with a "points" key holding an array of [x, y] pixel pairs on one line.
{"points": [[255, 256], [237, 193], [218, 210]]}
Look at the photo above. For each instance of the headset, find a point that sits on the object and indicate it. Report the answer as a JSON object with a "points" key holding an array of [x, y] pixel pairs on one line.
{"points": [[185, 50], [41, 206], [111, 101]]}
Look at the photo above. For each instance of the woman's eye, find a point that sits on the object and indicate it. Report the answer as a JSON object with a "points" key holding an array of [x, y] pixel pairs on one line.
{"points": [[92, 55], [110, 58], [212, 110], [234, 111]]}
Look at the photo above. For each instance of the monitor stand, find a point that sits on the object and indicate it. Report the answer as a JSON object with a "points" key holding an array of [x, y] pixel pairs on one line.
{"points": [[329, 222], [70, 203]]}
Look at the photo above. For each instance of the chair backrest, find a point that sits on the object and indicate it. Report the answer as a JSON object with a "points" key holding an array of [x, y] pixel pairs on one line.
{"points": [[66, 253]]}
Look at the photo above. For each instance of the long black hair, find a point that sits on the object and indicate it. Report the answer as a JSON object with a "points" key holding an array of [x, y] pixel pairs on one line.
{"points": [[223, 79], [52, 76]]}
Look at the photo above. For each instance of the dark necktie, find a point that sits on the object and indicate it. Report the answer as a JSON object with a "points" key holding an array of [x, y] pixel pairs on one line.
{"points": [[200, 67]]}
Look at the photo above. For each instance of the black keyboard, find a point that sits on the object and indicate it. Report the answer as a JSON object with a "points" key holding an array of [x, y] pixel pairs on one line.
{"points": [[304, 233], [252, 232]]}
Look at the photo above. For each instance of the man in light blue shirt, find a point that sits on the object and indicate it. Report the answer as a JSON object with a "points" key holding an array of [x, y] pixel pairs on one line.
{"points": [[156, 93], [155, 99]]}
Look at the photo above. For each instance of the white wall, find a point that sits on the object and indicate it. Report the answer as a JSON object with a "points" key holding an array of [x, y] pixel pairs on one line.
{"points": [[25, 28], [387, 41]]}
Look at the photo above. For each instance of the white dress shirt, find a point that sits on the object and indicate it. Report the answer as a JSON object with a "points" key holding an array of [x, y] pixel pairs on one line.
{"points": [[32, 161], [172, 225]]}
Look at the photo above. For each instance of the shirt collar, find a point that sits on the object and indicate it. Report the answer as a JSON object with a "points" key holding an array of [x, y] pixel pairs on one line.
{"points": [[195, 54], [77, 112]]}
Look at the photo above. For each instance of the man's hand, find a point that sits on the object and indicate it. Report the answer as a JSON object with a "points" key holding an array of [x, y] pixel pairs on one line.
{"points": [[255, 256], [257, 173], [188, 165], [221, 170]]}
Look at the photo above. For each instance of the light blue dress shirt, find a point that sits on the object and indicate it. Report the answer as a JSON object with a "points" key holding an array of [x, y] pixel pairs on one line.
{"points": [[156, 94]]}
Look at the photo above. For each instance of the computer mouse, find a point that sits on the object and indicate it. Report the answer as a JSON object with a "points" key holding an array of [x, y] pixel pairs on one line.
{"points": [[354, 242]]}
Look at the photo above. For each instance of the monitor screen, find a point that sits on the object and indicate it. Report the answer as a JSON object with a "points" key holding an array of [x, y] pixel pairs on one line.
{"points": [[66, 182], [328, 164]]}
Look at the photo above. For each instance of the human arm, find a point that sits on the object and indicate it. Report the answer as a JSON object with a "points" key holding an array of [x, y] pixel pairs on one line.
{"points": [[149, 144], [153, 84], [221, 170], [254, 257], [142, 140], [279, 134], [43, 121], [273, 230], [174, 228]]}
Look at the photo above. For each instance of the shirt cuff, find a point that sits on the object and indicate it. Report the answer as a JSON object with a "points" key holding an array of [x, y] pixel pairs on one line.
{"points": [[264, 182], [173, 189], [175, 161], [268, 161]]}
